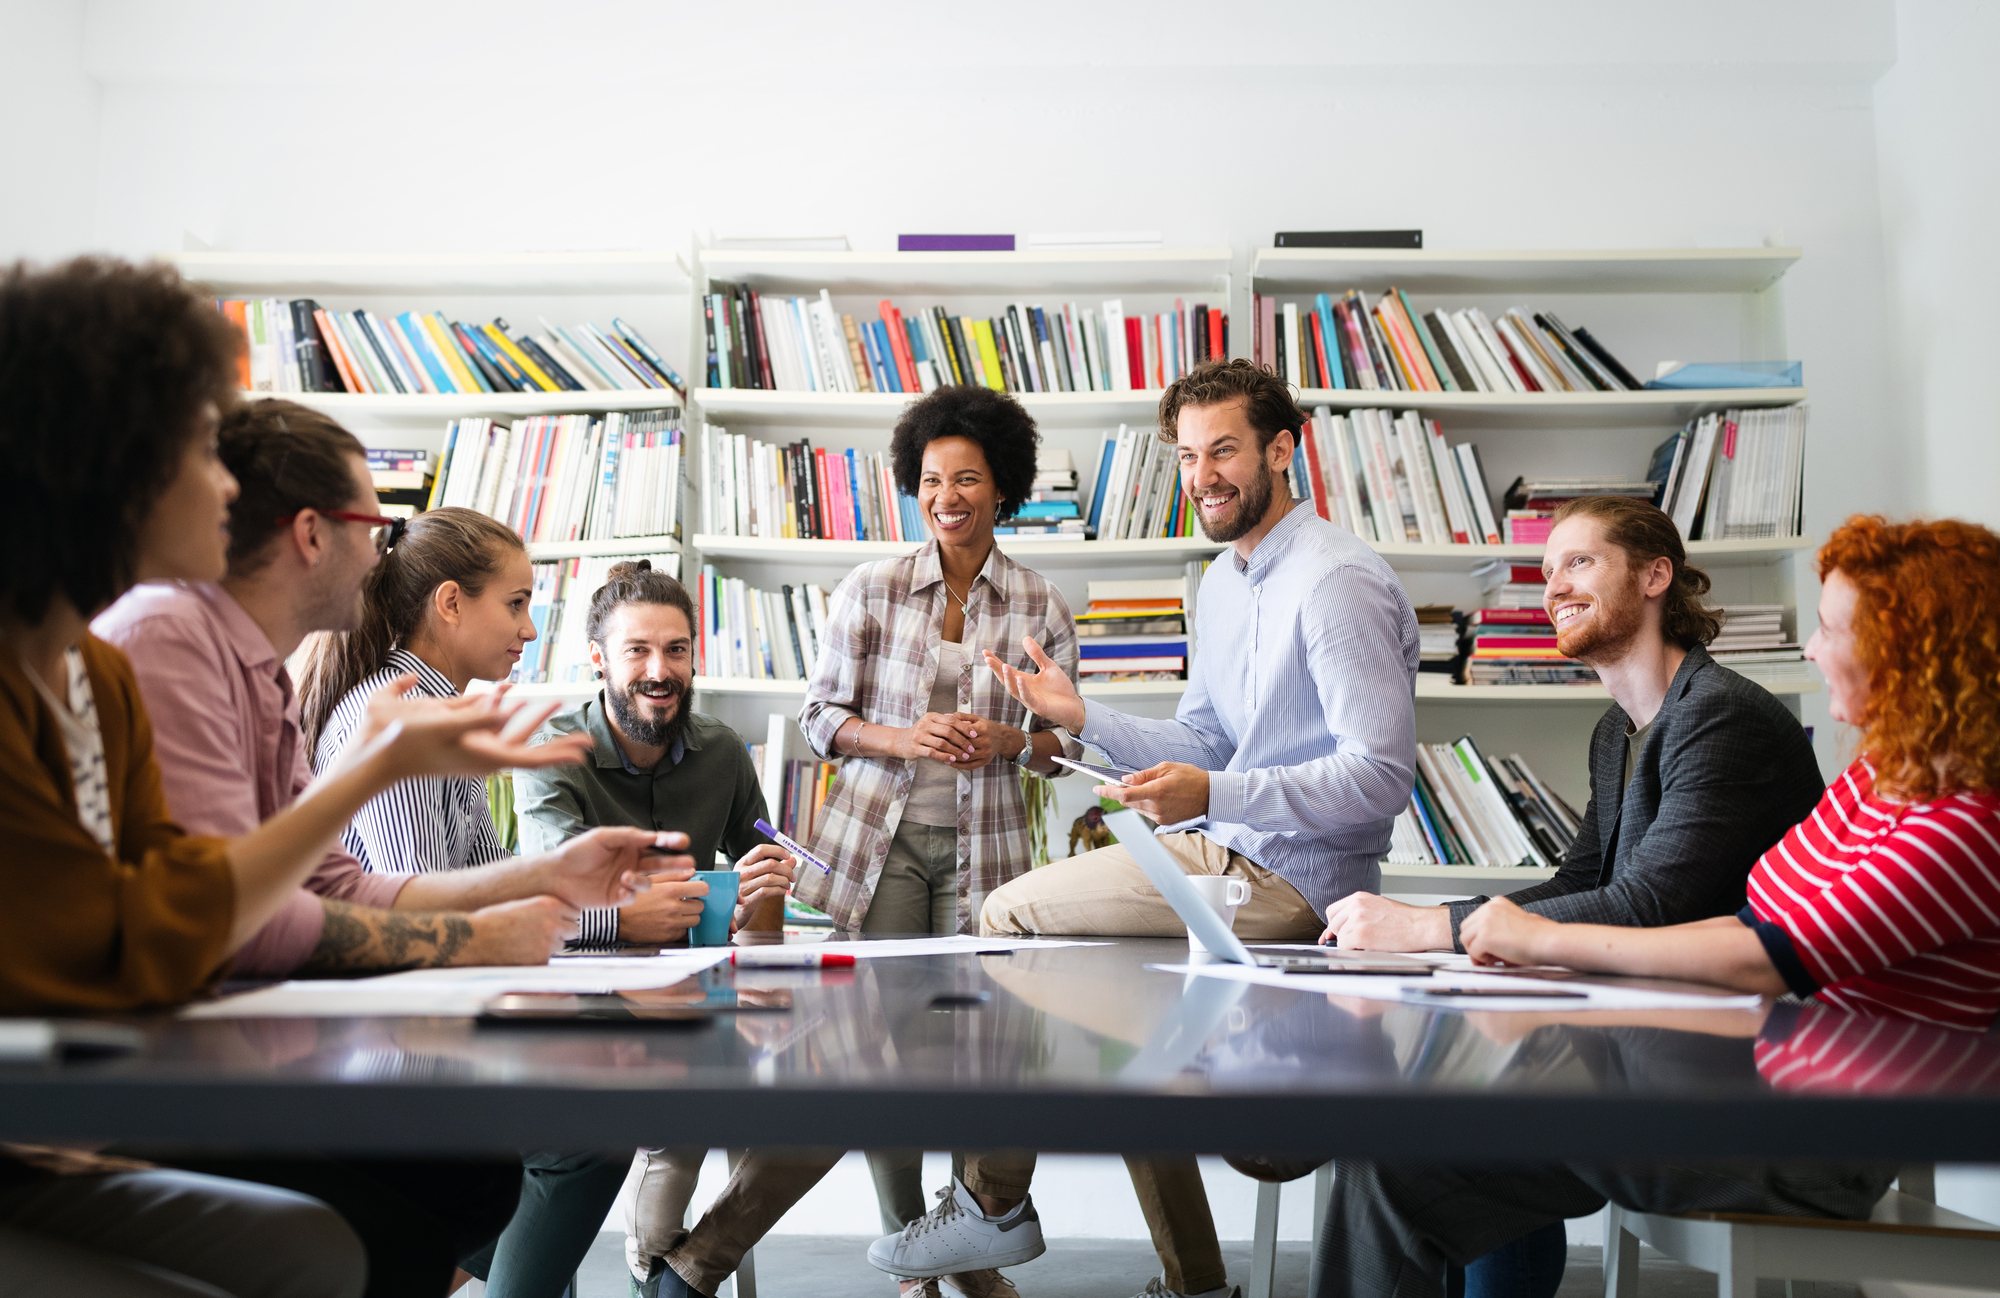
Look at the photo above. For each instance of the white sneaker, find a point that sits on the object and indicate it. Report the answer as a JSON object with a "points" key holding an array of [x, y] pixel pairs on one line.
{"points": [[1157, 1288], [957, 1237]]}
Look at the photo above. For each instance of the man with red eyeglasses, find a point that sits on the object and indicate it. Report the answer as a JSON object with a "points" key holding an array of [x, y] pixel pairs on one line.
{"points": [[305, 531]]}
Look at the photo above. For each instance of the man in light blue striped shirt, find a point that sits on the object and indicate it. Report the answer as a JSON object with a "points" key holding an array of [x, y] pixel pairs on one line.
{"points": [[1294, 746], [1292, 751]]}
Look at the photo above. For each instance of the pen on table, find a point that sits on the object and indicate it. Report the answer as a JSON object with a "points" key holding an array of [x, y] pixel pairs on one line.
{"points": [[788, 957], [791, 845]]}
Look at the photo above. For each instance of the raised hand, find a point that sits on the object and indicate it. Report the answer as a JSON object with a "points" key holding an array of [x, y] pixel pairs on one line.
{"points": [[471, 736], [1046, 691], [609, 866]]}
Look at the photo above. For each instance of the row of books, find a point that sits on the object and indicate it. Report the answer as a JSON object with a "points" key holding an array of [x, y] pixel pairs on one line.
{"points": [[298, 346], [803, 794], [801, 492], [1135, 630], [1440, 628], [1531, 506], [1389, 477], [560, 607], [751, 634], [1515, 644], [1468, 809], [568, 477], [1054, 507], [1753, 643], [802, 344], [1138, 494], [1345, 342], [1736, 474]]}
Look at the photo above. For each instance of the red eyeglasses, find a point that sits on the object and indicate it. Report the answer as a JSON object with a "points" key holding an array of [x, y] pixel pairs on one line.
{"points": [[384, 532]]}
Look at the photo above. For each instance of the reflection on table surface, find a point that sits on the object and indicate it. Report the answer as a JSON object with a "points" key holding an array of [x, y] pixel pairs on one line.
{"points": [[1093, 1018]]}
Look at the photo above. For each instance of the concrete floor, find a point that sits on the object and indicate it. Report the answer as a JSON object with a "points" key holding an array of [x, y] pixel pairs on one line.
{"points": [[836, 1266]]}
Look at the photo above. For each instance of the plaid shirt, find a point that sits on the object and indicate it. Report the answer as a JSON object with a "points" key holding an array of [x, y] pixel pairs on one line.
{"points": [[878, 659]]}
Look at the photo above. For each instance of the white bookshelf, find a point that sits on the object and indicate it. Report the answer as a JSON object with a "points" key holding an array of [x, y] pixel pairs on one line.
{"points": [[881, 409], [892, 274], [795, 690], [1435, 688], [1446, 270], [1463, 880], [441, 408], [441, 274], [1555, 410]]}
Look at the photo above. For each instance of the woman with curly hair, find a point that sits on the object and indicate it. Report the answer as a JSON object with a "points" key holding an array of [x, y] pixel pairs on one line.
{"points": [[1886, 900]]}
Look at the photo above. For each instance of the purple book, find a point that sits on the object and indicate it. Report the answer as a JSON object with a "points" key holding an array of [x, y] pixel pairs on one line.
{"points": [[954, 243]]}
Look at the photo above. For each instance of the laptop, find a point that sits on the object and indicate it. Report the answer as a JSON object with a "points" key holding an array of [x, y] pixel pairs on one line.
{"points": [[1135, 835]]}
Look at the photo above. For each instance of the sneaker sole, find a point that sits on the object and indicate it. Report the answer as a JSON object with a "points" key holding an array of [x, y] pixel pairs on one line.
{"points": [[984, 1262]]}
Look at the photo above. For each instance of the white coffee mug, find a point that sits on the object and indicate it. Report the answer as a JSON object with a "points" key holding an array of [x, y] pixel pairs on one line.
{"points": [[1223, 895]]}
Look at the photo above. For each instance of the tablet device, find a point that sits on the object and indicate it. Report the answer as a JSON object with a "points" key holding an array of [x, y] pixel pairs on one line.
{"points": [[1104, 774]]}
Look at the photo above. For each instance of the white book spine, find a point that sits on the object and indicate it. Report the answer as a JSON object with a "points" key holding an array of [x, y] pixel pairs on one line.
{"points": [[1114, 328], [1457, 508]]}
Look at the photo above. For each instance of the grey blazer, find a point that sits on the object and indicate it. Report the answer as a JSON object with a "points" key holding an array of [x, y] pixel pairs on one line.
{"points": [[1724, 772]]}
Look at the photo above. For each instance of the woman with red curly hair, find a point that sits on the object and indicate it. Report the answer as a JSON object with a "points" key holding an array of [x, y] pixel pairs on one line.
{"points": [[1885, 900]]}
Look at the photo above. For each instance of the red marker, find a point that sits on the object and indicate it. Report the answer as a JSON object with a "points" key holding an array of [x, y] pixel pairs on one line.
{"points": [[788, 957]]}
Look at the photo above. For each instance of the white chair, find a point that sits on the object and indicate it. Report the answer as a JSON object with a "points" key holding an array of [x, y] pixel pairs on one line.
{"points": [[1907, 1237], [1264, 1241]]}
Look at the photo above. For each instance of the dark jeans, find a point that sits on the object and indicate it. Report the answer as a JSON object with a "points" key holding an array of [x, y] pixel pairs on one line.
{"points": [[564, 1200], [415, 1217], [1529, 1267], [1393, 1230]]}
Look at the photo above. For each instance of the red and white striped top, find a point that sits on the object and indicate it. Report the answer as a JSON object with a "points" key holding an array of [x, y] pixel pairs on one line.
{"points": [[1892, 907], [1813, 1048]]}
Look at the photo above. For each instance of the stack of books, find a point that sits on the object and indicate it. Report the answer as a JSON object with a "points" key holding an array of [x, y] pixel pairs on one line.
{"points": [[1753, 643], [765, 635], [1512, 641], [568, 477], [801, 492], [298, 346], [1138, 493], [1347, 343], [1439, 631], [1134, 631], [805, 791], [1736, 475], [1052, 508], [1389, 477], [1471, 810], [1531, 506], [402, 478], [801, 344], [560, 607]]}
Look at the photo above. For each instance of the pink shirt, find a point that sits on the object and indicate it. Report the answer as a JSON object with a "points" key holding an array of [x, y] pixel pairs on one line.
{"points": [[226, 732]]}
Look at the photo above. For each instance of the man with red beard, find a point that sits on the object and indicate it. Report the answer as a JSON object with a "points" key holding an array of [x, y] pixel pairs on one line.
{"points": [[1694, 770]]}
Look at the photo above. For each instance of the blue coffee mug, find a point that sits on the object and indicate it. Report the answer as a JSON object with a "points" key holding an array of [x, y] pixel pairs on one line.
{"points": [[716, 908]]}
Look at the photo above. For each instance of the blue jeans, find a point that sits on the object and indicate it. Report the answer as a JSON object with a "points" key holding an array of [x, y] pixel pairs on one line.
{"points": [[1529, 1267]]}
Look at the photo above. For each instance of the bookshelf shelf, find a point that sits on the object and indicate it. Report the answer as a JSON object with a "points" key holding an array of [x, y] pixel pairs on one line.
{"points": [[880, 409], [1410, 555], [1462, 880], [1033, 553], [462, 405], [540, 551], [743, 686], [1649, 409], [1433, 687], [1128, 270], [517, 274], [1434, 270]]}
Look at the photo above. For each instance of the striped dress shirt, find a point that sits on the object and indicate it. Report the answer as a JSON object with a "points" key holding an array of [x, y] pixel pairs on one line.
{"points": [[877, 661], [1300, 704], [418, 826]]}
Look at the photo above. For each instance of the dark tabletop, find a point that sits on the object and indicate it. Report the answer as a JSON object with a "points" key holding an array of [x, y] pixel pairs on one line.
{"points": [[1065, 1049]]}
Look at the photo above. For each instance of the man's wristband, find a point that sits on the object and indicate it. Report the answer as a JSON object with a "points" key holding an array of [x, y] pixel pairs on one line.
{"points": [[1027, 753]]}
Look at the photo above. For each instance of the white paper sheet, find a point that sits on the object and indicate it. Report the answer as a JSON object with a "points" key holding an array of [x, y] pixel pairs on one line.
{"points": [[957, 944], [1596, 996], [456, 992]]}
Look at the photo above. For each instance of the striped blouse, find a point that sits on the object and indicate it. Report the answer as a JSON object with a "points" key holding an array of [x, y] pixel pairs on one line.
{"points": [[418, 826], [1886, 907]]}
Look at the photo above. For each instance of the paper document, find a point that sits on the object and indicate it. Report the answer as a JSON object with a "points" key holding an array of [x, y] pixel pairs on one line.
{"points": [[957, 944], [456, 992], [1409, 991]]}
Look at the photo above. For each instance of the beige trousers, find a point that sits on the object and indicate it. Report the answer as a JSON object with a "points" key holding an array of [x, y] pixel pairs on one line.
{"points": [[1105, 893]]}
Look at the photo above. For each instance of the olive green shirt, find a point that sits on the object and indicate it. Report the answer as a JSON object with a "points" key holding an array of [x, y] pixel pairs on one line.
{"points": [[1634, 741], [707, 789]]}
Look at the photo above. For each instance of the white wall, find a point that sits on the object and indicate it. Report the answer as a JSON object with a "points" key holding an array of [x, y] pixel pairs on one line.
{"points": [[1940, 183], [48, 151]]}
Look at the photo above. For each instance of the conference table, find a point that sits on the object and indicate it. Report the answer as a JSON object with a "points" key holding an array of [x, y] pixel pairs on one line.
{"points": [[1078, 1048]]}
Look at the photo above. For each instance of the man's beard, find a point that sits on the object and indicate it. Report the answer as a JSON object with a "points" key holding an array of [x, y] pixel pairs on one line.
{"points": [[1251, 503], [643, 728], [1608, 630]]}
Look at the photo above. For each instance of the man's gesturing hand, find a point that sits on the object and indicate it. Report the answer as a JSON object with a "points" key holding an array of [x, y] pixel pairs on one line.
{"points": [[1502, 933], [1169, 792], [608, 866], [1364, 921], [1046, 692]]}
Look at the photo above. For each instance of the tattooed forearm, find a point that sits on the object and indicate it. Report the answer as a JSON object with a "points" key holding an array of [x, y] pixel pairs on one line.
{"points": [[363, 939]]}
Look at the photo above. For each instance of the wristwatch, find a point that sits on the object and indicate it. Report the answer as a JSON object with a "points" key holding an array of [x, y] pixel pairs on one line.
{"points": [[1027, 753]]}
